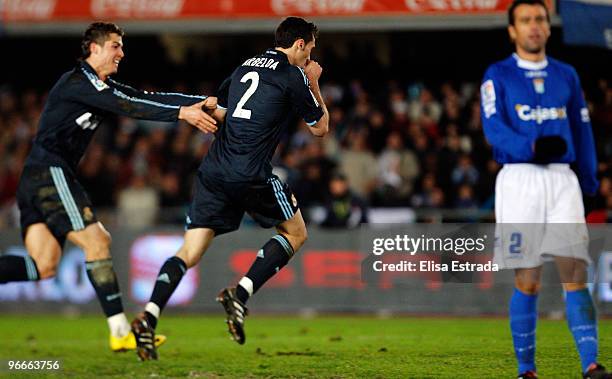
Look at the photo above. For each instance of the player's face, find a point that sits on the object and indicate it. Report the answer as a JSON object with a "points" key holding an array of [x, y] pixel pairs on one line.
{"points": [[111, 54], [303, 53], [531, 28]]}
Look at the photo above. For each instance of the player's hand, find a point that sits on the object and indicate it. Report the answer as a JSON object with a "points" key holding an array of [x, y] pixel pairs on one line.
{"points": [[195, 116], [210, 104], [313, 71], [549, 149]]}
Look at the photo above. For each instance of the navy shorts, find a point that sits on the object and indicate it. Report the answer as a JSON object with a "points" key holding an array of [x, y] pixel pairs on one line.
{"points": [[220, 206], [53, 196]]}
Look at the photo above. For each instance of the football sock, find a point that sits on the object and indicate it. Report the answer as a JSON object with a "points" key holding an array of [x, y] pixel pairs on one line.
{"points": [[118, 325], [168, 279], [14, 268], [273, 256], [104, 281], [583, 325], [523, 317]]}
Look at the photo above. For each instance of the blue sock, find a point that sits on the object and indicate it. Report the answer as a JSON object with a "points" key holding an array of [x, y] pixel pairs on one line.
{"points": [[583, 325], [523, 317]]}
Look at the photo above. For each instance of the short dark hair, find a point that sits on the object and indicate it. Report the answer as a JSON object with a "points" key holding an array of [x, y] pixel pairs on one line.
{"points": [[98, 32], [516, 3], [292, 29]]}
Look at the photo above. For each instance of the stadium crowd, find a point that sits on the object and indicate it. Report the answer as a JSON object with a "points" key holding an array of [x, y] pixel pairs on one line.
{"points": [[396, 145]]}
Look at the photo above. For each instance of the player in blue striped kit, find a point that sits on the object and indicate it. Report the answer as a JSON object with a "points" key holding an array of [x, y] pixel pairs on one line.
{"points": [[536, 119]]}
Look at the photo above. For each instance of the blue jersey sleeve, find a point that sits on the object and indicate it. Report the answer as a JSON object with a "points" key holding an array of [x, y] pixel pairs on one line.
{"points": [[582, 135], [496, 122]]}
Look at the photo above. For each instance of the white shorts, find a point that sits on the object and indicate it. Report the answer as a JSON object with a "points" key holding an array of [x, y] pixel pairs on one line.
{"points": [[539, 214]]}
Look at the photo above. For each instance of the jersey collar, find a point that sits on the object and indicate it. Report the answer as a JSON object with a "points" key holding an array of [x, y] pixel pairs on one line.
{"points": [[277, 53], [87, 67], [528, 65]]}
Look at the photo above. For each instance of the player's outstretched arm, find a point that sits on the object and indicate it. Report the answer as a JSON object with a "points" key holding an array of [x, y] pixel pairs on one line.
{"points": [[171, 98], [196, 116], [313, 72], [94, 92]]}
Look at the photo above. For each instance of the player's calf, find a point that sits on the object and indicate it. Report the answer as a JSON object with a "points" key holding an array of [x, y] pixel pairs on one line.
{"points": [[270, 259], [168, 279]]}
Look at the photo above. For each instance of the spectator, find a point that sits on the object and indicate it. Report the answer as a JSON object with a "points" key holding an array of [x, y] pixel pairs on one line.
{"points": [[359, 164], [343, 209], [138, 204], [397, 169]]}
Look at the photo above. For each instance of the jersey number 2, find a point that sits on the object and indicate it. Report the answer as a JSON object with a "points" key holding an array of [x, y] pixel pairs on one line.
{"points": [[241, 112]]}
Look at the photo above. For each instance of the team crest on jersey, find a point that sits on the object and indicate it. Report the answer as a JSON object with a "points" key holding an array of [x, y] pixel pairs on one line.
{"points": [[538, 85], [98, 84]]}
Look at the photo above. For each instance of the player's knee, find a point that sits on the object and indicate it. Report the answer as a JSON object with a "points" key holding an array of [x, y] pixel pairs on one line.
{"points": [[98, 247], [46, 266], [297, 237], [529, 288], [46, 260], [302, 235]]}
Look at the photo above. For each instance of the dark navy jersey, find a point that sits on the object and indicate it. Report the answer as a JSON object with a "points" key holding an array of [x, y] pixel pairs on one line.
{"points": [[78, 103], [262, 96]]}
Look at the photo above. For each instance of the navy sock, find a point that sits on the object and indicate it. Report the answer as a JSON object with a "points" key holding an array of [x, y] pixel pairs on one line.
{"points": [[169, 277], [273, 256], [583, 325], [523, 318], [102, 276], [15, 268]]}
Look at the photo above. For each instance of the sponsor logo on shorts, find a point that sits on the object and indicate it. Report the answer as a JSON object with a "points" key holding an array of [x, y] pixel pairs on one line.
{"points": [[293, 200]]}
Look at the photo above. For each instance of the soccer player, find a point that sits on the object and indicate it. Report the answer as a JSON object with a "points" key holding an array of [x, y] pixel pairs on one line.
{"points": [[536, 119], [257, 102], [52, 203]]}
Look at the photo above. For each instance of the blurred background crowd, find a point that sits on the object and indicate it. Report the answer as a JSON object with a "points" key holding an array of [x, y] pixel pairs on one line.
{"points": [[405, 142], [397, 144]]}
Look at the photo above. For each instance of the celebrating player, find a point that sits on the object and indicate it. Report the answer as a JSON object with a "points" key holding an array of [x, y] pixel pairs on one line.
{"points": [[52, 203], [535, 117], [257, 101]]}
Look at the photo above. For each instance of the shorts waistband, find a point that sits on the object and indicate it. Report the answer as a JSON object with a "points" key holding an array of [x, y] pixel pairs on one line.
{"points": [[531, 166]]}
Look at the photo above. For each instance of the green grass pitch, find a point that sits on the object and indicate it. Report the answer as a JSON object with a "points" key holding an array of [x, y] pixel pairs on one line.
{"points": [[293, 347]]}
